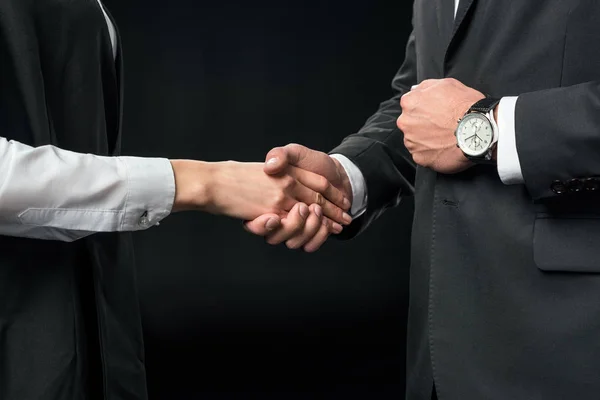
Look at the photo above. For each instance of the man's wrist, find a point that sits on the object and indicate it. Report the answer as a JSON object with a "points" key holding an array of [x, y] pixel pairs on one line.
{"points": [[344, 179], [353, 183]]}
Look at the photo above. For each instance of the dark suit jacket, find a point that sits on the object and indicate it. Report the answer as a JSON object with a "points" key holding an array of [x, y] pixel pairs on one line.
{"points": [[69, 314], [505, 280]]}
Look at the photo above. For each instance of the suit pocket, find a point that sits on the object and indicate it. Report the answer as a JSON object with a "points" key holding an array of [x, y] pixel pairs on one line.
{"points": [[568, 244]]}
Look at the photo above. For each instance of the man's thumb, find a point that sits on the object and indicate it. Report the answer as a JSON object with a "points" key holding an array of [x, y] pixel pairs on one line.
{"points": [[280, 157], [277, 161]]}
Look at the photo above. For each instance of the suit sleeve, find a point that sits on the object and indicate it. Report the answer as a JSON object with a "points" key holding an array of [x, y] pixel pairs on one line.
{"points": [[378, 151], [558, 140]]}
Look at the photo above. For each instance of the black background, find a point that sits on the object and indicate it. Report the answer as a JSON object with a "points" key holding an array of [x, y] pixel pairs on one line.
{"points": [[227, 316]]}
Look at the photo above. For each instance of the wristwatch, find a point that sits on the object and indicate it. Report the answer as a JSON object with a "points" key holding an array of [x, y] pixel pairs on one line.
{"points": [[477, 132]]}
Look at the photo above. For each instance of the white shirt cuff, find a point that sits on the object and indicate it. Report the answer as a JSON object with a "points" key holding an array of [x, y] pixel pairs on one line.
{"points": [[509, 167], [358, 183], [55, 194], [151, 192]]}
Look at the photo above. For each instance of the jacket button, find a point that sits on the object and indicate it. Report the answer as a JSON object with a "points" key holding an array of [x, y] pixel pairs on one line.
{"points": [[558, 187], [575, 185], [591, 184]]}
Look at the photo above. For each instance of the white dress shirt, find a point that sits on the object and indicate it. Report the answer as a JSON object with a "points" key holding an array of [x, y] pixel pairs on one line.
{"points": [[509, 167], [55, 194]]}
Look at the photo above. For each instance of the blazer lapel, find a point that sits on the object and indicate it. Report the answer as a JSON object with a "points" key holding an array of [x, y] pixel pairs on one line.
{"points": [[445, 16], [464, 6]]}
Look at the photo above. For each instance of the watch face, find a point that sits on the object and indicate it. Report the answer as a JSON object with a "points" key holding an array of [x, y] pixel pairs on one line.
{"points": [[475, 134]]}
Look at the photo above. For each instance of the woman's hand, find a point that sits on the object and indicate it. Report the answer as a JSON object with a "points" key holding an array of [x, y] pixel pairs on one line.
{"points": [[304, 227], [244, 191]]}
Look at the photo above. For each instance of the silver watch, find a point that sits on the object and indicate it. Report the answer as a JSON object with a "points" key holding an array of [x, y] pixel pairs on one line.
{"points": [[477, 132]]}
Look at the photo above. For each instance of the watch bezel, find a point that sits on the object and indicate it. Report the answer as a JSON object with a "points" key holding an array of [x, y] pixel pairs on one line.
{"points": [[468, 152]]}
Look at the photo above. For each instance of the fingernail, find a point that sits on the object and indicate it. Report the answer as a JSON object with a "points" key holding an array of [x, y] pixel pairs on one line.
{"points": [[347, 218], [347, 203], [272, 161], [337, 228], [318, 211], [304, 211], [271, 224]]}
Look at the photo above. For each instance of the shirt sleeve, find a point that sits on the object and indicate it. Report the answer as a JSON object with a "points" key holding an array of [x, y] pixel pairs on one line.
{"points": [[509, 166], [55, 194], [359, 186]]}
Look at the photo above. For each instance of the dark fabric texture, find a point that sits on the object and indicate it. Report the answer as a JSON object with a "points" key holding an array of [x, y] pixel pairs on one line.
{"points": [[69, 315], [505, 283]]}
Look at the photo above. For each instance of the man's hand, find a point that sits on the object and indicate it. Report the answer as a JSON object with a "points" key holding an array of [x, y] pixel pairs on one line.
{"points": [[317, 162], [293, 232], [430, 114]]}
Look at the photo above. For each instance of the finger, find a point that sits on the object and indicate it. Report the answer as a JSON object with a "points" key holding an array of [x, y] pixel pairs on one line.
{"points": [[317, 241], [408, 102], [263, 225], [332, 226], [280, 157], [291, 225], [276, 161], [321, 185], [306, 195], [312, 226], [427, 83], [407, 121]]}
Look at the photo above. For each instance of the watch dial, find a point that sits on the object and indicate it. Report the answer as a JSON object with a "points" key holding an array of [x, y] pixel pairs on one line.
{"points": [[475, 134]]}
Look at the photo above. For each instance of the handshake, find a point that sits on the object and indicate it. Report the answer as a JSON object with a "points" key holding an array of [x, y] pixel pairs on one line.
{"points": [[299, 196]]}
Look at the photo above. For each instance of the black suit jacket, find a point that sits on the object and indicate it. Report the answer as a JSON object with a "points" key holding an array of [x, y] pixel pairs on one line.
{"points": [[505, 280], [70, 325]]}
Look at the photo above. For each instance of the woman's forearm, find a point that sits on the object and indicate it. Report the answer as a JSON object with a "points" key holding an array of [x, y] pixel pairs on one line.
{"points": [[51, 193], [244, 191], [55, 194]]}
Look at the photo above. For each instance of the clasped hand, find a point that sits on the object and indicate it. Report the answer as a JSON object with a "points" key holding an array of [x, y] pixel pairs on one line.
{"points": [[430, 113], [308, 230]]}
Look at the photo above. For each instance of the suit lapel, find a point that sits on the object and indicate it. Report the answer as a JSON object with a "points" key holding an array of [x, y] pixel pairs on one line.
{"points": [[464, 7], [445, 16]]}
